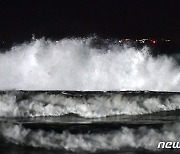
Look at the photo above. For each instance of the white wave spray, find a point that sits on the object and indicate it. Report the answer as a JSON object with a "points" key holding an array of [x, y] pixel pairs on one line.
{"points": [[73, 64], [93, 107], [143, 137]]}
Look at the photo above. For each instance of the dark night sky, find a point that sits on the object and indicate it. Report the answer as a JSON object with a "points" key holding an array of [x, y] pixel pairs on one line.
{"points": [[19, 19]]}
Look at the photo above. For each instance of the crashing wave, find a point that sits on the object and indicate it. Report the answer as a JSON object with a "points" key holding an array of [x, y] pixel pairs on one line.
{"points": [[76, 64], [31, 104], [143, 137]]}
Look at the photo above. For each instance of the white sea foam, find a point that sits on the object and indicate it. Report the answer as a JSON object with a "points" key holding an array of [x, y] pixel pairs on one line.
{"points": [[143, 137], [73, 64], [93, 107]]}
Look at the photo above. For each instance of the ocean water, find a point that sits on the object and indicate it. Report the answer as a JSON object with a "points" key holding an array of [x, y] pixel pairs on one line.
{"points": [[74, 96]]}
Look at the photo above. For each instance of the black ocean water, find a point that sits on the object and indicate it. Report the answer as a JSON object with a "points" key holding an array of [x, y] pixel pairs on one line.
{"points": [[70, 96]]}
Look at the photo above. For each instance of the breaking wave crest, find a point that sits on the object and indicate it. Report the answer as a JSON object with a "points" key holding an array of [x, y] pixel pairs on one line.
{"points": [[143, 137], [75, 64], [19, 104]]}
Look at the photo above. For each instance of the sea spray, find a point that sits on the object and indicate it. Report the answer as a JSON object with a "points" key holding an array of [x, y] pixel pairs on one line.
{"points": [[75, 64]]}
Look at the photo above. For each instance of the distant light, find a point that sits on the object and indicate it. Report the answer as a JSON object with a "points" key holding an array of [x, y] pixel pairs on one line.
{"points": [[154, 41]]}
